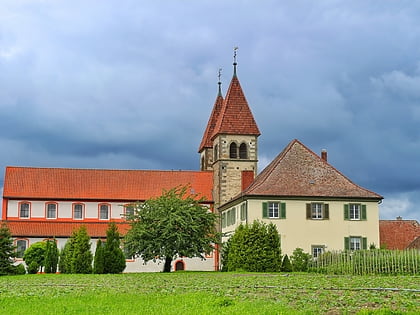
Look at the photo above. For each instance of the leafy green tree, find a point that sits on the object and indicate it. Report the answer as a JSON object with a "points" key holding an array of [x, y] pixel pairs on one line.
{"points": [[114, 258], [286, 265], [255, 247], [81, 260], [300, 260], [98, 261], [51, 257], [174, 224], [34, 256], [225, 254], [7, 251]]}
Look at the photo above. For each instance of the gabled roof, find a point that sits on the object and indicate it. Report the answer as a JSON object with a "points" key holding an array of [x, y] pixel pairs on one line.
{"points": [[299, 172], [100, 184], [59, 229], [236, 116], [399, 234], [215, 114]]}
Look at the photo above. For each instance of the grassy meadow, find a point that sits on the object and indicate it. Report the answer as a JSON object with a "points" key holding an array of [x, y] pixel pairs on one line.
{"points": [[209, 293]]}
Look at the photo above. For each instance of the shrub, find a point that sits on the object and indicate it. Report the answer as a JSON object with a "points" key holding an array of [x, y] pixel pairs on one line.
{"points": [[7, 251], [51, 257], [20, 269], [114, 258], [300, 260], [33, 267], [98, 262], [255, 247], [35, 256], [81, 259], [286, 266]]}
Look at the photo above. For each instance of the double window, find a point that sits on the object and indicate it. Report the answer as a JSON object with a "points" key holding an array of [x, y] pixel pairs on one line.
{"points": [[240, 152], [51, 210], [274, 210], [317, 250], [78, 211], [24, 210], [355, 243], [317, 211], [355, 211], [229, 217]]}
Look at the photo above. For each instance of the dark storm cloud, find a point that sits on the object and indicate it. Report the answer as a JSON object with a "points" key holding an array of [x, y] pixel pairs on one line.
{"points": [[131, 85]]}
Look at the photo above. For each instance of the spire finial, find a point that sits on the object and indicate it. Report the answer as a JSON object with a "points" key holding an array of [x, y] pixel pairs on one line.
{"points": [[234, 60], [220, 83]]}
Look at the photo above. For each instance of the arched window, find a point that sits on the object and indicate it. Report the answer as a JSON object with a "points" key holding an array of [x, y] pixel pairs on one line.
{"points": [[243, 151], [104, 211], [216, 153], [179, 265], [78, 211], [51, 210], [21, 246], [233, 151], [24, 210]]}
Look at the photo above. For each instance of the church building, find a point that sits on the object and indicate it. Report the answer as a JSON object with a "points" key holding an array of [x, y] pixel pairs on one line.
{"points": [[313, 205]]}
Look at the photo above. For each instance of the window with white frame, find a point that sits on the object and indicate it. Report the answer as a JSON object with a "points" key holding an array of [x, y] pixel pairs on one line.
{"points": [[21, 246], [129, 210], [354, 211], [355, 243], [51, 210], [104, 212], [316, 212], [317, 250], [24, 210], [273, 209], [78, 211]]}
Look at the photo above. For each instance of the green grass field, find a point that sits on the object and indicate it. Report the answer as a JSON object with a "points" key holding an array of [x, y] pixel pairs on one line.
{"points": [[209, 293]]}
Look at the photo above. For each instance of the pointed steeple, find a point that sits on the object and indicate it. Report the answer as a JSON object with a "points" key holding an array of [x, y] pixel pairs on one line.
{"points": [[235, 116], [206, 141]]}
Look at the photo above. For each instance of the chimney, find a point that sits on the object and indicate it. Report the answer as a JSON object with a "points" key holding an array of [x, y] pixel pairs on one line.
{"points": [[247, 179], [324, 155], [399, 218]]}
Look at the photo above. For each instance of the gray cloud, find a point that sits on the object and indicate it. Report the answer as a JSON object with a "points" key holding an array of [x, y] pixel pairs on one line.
{"points": [[131, 85]]}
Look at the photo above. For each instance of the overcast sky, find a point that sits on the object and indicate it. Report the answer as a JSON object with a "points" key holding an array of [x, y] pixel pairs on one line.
{"points": [[131, 84]]}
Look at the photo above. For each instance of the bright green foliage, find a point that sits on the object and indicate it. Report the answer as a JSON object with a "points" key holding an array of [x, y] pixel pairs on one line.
{"points": [[51, 257], [286, 266], [66, 254], [300, 260], [20, 269], [114, 258], [98, 262], [34, 256], [7, 251], [225, 254], [255, 247], [174, 224], [81, 260]]}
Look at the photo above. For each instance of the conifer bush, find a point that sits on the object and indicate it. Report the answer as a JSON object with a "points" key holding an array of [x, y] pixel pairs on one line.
{"points": [[51, 257], [98, 261], [286, 265], [81, 260], [114, 258], [7, 251]]}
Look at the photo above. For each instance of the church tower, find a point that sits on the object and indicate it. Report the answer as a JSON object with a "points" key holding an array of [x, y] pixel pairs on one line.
{"points": [[230, 143]]}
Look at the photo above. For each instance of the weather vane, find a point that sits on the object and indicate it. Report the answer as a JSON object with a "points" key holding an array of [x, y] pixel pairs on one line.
{"points": [[234, 53], [220, 73]]}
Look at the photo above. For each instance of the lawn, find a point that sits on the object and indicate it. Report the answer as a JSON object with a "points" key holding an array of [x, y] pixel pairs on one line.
{"points": [[209, 293]]}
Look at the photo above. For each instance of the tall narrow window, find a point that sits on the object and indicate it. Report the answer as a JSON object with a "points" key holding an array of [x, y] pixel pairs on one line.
{"points": [[129, 210], [243, 151], [51, 210], [78, 211], [104, 212], [216, 153], [20, 248], [233, 151], [24, 210], [354, 211]]}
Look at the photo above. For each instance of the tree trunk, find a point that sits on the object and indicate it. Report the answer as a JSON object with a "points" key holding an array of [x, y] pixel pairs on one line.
{"points": [[167, 265]]}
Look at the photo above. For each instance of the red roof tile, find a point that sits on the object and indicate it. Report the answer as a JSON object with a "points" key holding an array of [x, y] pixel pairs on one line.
{"points": [[206, 141], [297, 171], [59, 229], [100, 184], [399, 234], [236, 116]]}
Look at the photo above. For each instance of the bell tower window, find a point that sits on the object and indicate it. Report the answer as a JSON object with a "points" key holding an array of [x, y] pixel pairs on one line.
{"points": [[243, 151], [216, 153], [233, 151]]}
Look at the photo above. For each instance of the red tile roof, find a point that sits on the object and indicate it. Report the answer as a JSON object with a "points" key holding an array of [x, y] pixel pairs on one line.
{"points": [[100, 184], [297, 171], [206, 141], [236, 116], [399, 234], [59, 229]]}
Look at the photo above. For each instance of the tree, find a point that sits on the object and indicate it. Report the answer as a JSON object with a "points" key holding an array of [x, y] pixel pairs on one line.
{"points": [[286, 266], [51, 257], [7, 251], [255, 247], [114, 258], [98, 261], [174, 224], [34, 256], [81, 260], [300, 260], [64, 265], [225, 254]]}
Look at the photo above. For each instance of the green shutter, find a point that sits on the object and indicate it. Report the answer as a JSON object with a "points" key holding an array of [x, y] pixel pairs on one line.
{"points": [[347, 243], [264, 210], [346, 212], [223, 220], [364, 243], [308, 211], [233, 215], [363, 217], [282, 210], [326, 211]]}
